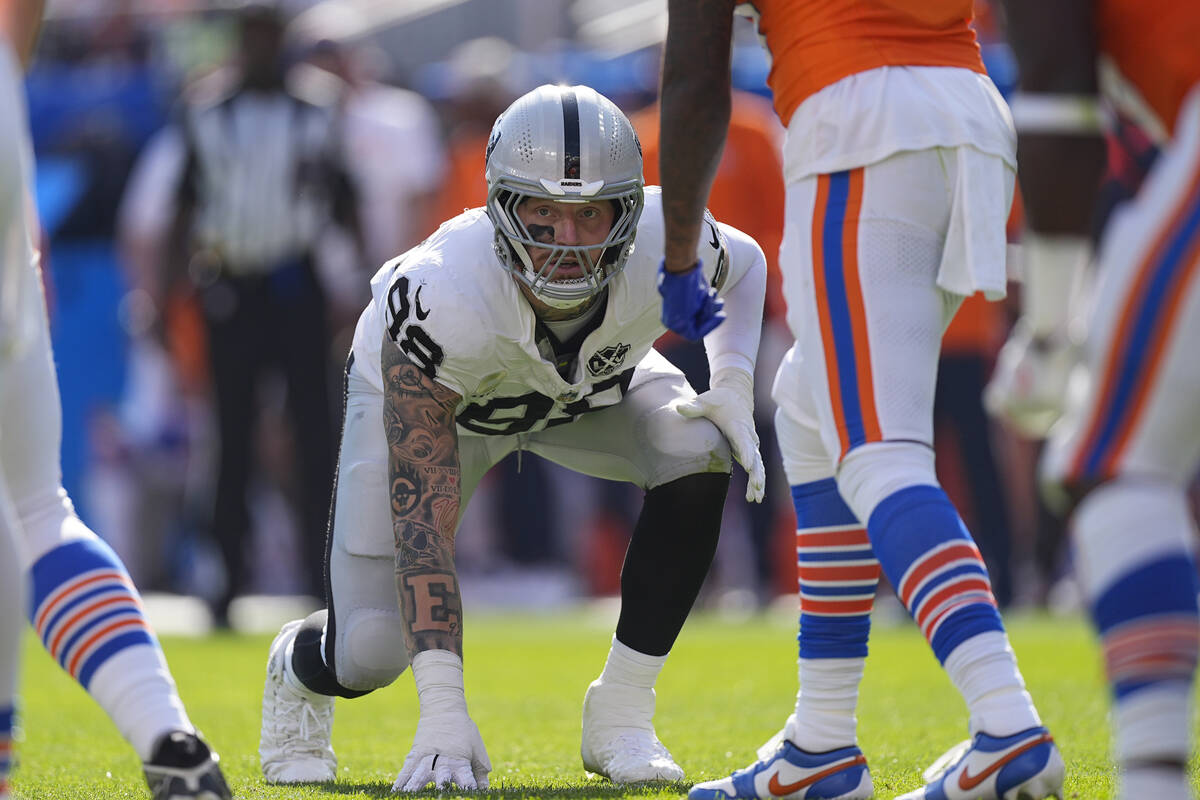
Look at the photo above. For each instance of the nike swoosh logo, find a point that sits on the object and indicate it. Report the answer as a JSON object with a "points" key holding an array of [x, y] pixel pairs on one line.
{"points": [[716, 243], [779, 789], [967, 781], [421, 313]]}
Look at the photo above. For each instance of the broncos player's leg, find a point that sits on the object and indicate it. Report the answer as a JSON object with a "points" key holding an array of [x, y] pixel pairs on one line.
{"points": [[1126, 451], [816, 753], [12, 623], [85, 609], [868, 312]]}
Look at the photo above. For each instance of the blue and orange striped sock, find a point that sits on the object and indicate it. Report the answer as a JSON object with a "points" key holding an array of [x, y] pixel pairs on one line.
{"points": [[7, 720], [1138, 571], [89, 617], [934, 566], [838, 579], [939, 575]]}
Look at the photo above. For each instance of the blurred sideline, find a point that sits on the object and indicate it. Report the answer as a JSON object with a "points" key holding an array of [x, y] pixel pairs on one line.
{"points": [[527, 592]]}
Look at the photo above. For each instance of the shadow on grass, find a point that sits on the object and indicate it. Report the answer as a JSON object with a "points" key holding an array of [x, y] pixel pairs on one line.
{"points": [[514, 791]]}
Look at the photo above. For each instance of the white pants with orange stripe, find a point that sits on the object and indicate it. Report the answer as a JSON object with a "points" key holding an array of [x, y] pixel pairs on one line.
{"points": [[1141, 414], [1136, 432], [876, 261]]}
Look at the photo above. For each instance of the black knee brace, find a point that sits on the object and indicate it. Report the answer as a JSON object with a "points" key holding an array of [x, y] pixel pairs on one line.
{"points": [[668, 559], [309, 665]]}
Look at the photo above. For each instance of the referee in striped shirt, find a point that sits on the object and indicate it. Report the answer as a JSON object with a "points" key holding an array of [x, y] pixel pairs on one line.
{"points": [[261, 179]]}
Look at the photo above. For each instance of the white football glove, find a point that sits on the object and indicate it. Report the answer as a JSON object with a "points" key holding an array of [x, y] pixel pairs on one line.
{"points": [[447, 748], [729, 405], [1029, 385]]}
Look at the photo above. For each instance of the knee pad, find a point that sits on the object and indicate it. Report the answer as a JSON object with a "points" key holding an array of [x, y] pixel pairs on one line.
{"points": [[873, 472], [804, 456], [676, 445], [1124, 524], [370, 651], [49, 521]]}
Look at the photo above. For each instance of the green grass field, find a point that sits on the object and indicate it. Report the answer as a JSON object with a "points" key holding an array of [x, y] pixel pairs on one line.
{"points": [[728, 686]]}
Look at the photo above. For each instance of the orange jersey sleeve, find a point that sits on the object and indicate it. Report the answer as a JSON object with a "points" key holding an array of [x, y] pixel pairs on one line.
{"points": [[1156, 46], [813, 43]]}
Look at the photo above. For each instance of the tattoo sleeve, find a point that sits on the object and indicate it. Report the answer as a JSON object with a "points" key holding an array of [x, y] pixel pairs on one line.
{"points": [[425, 489]]}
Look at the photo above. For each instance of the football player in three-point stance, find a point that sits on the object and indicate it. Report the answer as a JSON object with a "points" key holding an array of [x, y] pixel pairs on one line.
{"points": [[899, 162], [1128, 442], [83, 605], [525, 325]]}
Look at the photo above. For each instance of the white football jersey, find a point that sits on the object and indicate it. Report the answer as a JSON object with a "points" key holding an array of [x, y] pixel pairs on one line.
{"points": [[457, 314]]}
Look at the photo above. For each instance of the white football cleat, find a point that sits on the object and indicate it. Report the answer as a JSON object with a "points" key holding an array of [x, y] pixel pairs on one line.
{"points": [[789, 773], [297, 725], [1024, 766], [619, 742]]}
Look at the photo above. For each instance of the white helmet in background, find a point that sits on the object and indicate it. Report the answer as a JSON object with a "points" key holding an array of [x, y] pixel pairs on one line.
{"points": [[570, 144]]}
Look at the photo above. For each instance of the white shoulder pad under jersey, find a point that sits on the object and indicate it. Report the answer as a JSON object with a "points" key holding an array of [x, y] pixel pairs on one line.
{"points": [[447, 302]]}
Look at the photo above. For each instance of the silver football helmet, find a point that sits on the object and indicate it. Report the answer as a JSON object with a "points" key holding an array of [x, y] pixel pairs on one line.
{"points": [[570, 144]]}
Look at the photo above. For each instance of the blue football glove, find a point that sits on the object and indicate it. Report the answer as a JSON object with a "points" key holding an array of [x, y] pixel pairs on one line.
{"points": [[691, 307]]}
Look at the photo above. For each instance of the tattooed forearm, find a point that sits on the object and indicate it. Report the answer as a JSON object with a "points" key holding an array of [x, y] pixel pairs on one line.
{"points": [[425, 491], [428, 585]]}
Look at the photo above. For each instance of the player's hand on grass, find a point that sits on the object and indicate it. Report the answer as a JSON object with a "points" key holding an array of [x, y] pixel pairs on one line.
{"points": [[447, 751]]}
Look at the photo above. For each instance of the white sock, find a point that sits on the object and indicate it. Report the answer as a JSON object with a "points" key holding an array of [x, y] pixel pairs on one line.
{"points": [[984, 670], [1160, 784], [12, 618], [825, 706], [631, 668], [1154, 724], [137, 691]]}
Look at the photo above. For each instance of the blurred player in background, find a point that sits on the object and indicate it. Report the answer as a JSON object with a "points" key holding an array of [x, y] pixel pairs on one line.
{"points": [[19, 23], [84, 607], [899, 163], [526, 325], [1128, 442]]}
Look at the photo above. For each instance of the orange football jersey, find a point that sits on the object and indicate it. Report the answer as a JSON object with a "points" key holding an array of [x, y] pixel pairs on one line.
{"points": [[814, 43], [1156, 46]]}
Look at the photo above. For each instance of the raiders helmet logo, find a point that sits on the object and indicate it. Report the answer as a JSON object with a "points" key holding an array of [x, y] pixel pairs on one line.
{"points": [[493, 140], [607, 360]]}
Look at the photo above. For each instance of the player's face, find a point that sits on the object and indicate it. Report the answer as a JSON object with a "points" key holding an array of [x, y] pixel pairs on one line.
{"points": [[558, 222]]}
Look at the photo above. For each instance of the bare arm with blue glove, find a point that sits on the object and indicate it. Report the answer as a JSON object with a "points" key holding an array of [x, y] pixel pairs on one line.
{"points": [[739, 271], [695, 112]]}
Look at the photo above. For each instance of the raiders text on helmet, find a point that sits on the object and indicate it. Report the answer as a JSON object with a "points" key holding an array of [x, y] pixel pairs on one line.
{"points": [[570, 144]]}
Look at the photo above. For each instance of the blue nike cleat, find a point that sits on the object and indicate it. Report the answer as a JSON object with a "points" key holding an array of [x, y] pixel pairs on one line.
{"points": [[1024, 766], [794, 774]]}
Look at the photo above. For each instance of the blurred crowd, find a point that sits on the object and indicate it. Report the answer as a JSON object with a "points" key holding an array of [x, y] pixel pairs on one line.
{"points": [[191, 438]]}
